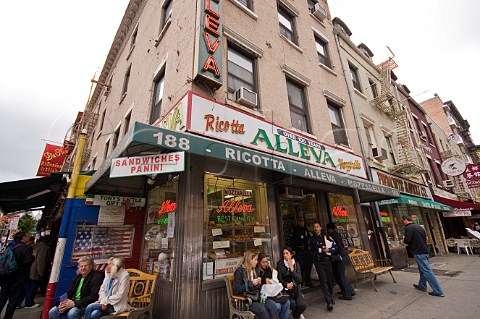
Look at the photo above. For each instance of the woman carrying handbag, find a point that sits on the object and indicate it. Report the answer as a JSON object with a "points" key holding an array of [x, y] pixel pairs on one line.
{"points": [[246, 281]]}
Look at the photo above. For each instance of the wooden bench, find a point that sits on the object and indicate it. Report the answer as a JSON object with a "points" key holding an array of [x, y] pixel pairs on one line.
{"points": [[140, 292], [365, 266], [238, 305]]}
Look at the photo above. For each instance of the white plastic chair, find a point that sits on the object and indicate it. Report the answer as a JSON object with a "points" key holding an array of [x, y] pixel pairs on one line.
{"points": [[465, 244]]}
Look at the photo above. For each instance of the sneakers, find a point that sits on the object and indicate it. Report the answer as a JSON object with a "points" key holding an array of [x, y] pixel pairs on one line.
{"points": [[302, 317], [33, 306], [431, 293], [330, 307], [418, 288]]}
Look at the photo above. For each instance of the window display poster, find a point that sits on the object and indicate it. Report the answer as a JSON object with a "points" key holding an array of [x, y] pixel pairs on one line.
{"points": [[103, 242], [224, 267], [352, 230], [171, 224], [111, 215]]}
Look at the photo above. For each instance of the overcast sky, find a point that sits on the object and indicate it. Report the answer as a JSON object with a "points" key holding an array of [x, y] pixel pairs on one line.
{"points": [[51, 49]]}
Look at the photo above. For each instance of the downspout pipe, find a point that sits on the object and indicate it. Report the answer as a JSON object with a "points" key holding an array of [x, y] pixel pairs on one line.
{"points": [[62, 236], [379, 225]]}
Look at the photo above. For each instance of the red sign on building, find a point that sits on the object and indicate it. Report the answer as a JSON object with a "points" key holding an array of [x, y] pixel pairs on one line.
{"points": [[472, 175], [52, 159]]}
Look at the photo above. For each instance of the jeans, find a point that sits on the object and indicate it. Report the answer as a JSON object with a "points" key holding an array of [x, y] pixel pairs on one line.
{"points": [[260, 310], [283, 309], [32, 287], [427, 275], [72, 313], [10, 292], [94, 311], [298, 305]]}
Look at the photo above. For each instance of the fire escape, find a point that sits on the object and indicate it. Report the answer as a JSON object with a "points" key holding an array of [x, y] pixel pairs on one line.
{"points": [[408, 161], [87, 122]]}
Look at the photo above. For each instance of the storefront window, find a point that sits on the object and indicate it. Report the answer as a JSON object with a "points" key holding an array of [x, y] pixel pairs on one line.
{"points": [[158, 252], [345, 217], [236, 220], [392, 219]]}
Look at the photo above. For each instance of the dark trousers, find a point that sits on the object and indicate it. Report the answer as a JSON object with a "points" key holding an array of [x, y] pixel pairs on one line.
{"points": [[11, 293], [338, 269], [305, 261], [297, 305], [325, 275], [32, 287]]}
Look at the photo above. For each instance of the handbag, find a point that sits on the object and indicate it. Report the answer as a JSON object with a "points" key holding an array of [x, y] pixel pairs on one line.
{"points": [[281, 297], [253, 295]]}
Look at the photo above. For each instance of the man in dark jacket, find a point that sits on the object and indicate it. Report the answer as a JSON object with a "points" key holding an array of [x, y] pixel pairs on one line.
{"points": [[321, 254], [299, 243], [416, 239], [82, 291], [14, 284], [41, 251], [338, 264]]}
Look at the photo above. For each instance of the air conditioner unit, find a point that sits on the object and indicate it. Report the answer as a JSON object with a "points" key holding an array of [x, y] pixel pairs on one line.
{"points": [[379, 153], [448, 183], [291, 193], [107, 90], [318, 11], [423, 134], [247, 97]]}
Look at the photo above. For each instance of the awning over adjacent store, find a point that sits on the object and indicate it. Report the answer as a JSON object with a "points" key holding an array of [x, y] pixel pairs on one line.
{"points": [[416, 201], [30, 193], [457, 205], [143, 138]]}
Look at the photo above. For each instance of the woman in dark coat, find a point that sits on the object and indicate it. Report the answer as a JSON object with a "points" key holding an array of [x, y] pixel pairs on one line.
{"points": [[290, 276], [245, 278], [266, 273]]}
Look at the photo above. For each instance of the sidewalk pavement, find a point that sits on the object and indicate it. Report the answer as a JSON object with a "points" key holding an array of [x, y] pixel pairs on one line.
{"points": [[458, 275]]}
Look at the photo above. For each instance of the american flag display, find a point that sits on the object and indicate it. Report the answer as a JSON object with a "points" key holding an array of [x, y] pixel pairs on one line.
{"points": [[103, 242]]}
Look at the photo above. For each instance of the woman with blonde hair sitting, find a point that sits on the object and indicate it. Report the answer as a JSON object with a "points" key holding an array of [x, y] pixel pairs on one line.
{"points": [[113, 294], [246, 279]]}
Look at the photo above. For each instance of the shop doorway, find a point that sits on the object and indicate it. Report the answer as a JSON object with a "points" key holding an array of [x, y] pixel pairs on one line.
{"points": [[291, 209]]}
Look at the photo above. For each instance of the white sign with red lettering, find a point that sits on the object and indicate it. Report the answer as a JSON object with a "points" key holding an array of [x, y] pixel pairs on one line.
{"points": [[147, 165]]}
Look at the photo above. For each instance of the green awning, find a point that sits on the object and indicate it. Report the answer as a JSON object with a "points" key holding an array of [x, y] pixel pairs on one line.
{"points": [[416, 201]]}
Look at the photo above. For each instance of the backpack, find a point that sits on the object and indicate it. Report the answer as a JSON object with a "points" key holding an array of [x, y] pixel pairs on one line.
{"points": [[8, 262]]}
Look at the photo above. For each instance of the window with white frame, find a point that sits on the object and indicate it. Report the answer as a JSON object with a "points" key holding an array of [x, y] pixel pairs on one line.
{"points": [[298, 107], [391, 151], [311, 4], [286, 23], [167, 12], [338, 126], [102, 121], [116, 136], [126, 79], [126, 122], [246, 3], [134, 37], [241, 71], [370, 135], [159, 84], [322, 51], [107, 147], [355, 78], [373, 87]]}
